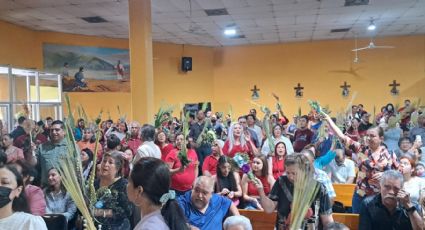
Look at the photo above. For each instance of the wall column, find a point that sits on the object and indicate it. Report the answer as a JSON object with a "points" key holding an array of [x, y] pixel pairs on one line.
{"points": [[141, 61]]}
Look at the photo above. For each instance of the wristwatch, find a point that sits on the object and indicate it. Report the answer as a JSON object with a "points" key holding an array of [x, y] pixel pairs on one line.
{"points": [[411, 209]]}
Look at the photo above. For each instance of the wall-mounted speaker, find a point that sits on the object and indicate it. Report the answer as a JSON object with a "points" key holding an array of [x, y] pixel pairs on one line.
{"points": [[186, 64]]}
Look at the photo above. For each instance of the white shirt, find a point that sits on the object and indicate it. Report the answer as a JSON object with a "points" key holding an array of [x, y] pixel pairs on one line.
{"points": [[414, 187], [340, 174], [22, 221], [289, 148], [147, 149]]}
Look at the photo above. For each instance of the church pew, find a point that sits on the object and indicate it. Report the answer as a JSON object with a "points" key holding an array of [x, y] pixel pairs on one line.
{"points": [[349, 219], [344, 193], [261, 220]]}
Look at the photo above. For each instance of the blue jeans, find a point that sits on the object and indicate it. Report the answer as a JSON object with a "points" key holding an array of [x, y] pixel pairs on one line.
{"points": [[356, 202]]}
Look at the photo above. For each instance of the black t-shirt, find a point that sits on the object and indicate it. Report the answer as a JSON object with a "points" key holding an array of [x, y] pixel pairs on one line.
{"points": [[284, 205]]}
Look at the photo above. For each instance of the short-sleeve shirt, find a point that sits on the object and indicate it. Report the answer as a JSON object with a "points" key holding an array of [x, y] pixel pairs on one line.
{"points": [[210, 164], [340, 174], [302, 138], [49, 154], [279, 193], [213, 217], [182, 181]]}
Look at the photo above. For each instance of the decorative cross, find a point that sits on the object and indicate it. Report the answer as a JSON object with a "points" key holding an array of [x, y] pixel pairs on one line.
{"points": [[345, 89], [255, 94], [298, 90], [394, 91]]}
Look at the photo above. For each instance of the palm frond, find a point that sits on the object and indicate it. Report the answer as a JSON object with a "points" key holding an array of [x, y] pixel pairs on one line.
{"points": [[204, 106], [70, 117], [160, 119], [182, 155], [305, 190], [66, 167]]}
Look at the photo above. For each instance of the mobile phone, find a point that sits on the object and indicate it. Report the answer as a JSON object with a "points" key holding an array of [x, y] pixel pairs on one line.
{"points": [[418, 138]]}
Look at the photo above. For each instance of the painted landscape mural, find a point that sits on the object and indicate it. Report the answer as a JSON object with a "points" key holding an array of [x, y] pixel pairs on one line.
{"points": [[89, 69]]}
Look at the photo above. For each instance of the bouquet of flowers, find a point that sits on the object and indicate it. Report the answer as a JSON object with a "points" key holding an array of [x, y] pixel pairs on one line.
{"points": [[241, 161]]}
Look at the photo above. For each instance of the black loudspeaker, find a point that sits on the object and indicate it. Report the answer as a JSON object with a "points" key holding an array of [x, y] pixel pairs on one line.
{"points": [[186, 64]]}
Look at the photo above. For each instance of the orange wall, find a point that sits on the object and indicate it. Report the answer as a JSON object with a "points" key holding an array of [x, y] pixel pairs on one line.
{"points": [[225, 75], [319, 67]]}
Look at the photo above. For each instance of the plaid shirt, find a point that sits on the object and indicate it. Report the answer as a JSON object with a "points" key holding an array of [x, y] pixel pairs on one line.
{"points": [[323, 178]]}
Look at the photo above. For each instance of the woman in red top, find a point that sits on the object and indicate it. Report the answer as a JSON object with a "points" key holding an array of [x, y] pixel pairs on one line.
{"points": [[238, 142], [164, 146], [277, 162], [182, 178], [209, 167], [250, 193]]}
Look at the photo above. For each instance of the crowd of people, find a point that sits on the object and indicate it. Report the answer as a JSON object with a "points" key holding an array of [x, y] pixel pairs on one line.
{"points": [[142, 183]]}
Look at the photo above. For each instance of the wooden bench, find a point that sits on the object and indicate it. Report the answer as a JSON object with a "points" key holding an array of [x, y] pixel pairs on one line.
{"points": [[344, 193], [261, 220], [349, 219]]}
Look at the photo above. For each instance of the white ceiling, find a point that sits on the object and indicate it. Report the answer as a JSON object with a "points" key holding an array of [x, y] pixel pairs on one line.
{"points": [[261, 21]]}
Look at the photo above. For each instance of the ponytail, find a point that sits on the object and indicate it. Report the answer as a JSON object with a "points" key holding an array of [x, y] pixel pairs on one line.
{"points": [[173, 215]]}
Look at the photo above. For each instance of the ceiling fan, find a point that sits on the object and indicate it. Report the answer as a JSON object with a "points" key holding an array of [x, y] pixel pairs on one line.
{"points": [[356, 57], [372, 46]]}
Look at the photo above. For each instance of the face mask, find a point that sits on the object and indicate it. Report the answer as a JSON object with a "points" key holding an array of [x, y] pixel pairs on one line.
{"points": [[4, 196]]}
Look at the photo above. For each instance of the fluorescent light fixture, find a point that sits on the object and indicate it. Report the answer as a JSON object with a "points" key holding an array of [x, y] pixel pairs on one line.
{"points": [[230, 32], [371, 26]]}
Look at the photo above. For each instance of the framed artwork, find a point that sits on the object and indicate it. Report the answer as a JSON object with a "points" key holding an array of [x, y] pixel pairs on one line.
{"points": [[88, 69]]}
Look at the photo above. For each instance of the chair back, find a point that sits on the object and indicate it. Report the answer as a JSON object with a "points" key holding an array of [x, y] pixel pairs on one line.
{"points": [[56, 222]]}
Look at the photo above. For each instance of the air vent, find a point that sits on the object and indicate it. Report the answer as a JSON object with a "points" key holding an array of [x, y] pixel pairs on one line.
{"points": [[340, 30], [95, 19], [216, 12], [356, 2], [238, 36]]}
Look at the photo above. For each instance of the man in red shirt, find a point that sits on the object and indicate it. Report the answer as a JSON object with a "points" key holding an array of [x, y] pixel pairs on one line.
{"points": [[303, 136], [133, 142]]}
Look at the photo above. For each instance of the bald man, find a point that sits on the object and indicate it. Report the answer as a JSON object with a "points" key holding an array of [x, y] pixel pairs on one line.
{"points": [[203, 208]]}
